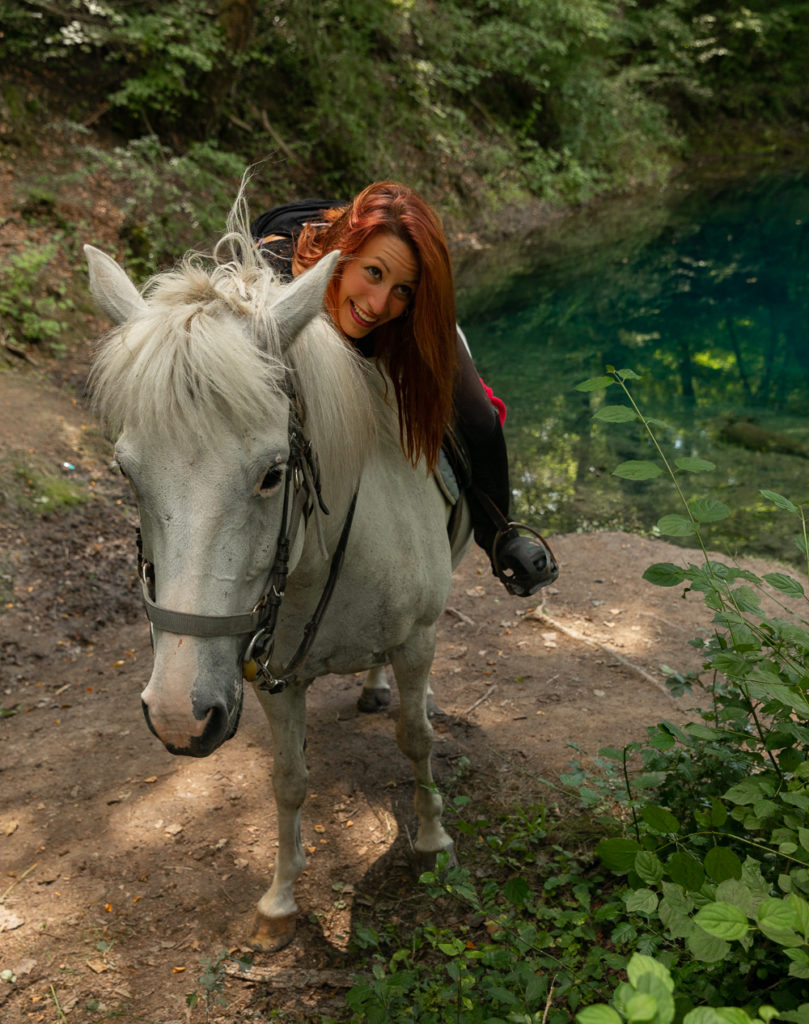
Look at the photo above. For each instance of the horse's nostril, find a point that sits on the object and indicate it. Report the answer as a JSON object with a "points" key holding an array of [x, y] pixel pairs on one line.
{"points": [[216, 725], [148, 717]]}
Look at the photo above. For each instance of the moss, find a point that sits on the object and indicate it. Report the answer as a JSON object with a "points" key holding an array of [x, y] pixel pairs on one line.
{"points": [[26, 488]]}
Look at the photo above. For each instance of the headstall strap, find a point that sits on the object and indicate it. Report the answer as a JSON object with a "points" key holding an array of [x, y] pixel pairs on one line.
{"points": [[303, 476]]}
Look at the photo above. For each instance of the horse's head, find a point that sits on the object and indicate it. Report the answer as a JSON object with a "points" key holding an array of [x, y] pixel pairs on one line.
{"points": [[196, 385]]}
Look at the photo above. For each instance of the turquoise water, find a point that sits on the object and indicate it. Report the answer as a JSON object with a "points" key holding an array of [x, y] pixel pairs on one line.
{"points": [[704, 292]]}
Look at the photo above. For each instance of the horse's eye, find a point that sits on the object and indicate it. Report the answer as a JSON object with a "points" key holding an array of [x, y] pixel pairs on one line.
{"points": [[270, 481]]}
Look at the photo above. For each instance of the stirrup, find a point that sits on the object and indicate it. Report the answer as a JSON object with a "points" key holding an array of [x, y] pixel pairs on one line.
{"points": [[522, 564]]}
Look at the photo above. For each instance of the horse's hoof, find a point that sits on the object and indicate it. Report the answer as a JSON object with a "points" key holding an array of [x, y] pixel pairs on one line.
{"points": [[426, 860], [272, 933], [372, 701], [433, 710]]}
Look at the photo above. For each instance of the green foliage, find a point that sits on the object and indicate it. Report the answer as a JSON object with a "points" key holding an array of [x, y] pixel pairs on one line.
{"points": [[212, 983], [648, 996], [162, 215], [559, 100], [33, 302], [527, 952], [717, 861]]}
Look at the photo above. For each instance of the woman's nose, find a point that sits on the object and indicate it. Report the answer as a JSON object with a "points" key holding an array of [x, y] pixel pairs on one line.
{"points": [[379, 301]]}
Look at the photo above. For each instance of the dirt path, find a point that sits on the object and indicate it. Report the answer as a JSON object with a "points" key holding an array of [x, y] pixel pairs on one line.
{"points": [[121, 867]]}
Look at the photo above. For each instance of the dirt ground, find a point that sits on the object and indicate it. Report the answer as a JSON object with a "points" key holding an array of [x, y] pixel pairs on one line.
{"points": [[122, 867]]}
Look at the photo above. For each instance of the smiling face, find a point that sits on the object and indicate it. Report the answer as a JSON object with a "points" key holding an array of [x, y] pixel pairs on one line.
{"points": [[377, 285]]}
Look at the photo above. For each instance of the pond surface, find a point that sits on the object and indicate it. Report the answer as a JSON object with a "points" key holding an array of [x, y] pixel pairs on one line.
{"points": [[701, 290]]}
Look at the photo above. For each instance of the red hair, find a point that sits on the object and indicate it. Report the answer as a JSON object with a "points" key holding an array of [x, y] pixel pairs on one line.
{"points": [[419, 349]]}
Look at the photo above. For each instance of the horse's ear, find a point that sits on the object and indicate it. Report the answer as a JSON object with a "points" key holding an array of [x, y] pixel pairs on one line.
{"points": [[111, 288], [302, 300]]}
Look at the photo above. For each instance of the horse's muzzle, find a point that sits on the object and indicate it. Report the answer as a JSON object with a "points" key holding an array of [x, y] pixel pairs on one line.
{"points": [[221, 719]]}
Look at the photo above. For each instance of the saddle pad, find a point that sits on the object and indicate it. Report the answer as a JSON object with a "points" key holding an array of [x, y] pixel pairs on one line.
{"points": [[447, 480]]}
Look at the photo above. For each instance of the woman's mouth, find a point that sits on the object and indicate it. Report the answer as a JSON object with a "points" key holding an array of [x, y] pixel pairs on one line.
{"points": [[363, 319]]}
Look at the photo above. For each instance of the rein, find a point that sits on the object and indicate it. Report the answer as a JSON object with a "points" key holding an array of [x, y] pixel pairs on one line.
{"points": [[303, 475]]}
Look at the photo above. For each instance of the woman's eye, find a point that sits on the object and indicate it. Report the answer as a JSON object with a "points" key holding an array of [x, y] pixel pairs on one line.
{"points": [[270, 481], [405, 292], [374, 272]]}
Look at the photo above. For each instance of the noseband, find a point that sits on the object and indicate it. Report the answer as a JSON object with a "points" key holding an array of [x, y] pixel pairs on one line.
{"points": [[302, 497]]}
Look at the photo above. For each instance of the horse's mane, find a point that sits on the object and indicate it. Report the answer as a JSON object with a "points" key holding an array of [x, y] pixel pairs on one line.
{"points": [[204, 355]]}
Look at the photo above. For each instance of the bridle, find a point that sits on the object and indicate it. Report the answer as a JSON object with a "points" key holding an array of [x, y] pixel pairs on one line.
{"points": [[302, 500]]}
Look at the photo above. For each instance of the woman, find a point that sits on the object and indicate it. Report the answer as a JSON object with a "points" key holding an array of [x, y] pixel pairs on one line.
{"points": [[392, 296]]}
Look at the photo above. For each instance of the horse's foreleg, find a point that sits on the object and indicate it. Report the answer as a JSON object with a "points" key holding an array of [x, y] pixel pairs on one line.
{"points": [[275, 917], [414, 734]]}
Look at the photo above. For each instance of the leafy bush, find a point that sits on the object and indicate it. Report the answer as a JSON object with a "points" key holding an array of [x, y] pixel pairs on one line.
{"points": [[32, 302], [162, 212], [717, 866]]}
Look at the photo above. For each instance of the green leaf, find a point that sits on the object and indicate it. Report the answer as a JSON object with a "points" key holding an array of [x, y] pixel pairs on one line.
{"points": [[659, 819], [637, 469], [703, 1015], [641, 901], [800, 910], [664, 574], [615, 414], [778, 921], [595, 384], [722, 864], [640, 965], [618, 854], [748, 791], [685, 870], [708, 510], [731, 664], [628, 374], [599, 1014], [694, 465], [676, 526], [678, 923], [640, 1007], [719, 813], [648, 867], [723, 920], [649, 780], [734, 891], [705, 947], [768, 691], [779, 500], [786, 584], [517, 891], [745, 599]]}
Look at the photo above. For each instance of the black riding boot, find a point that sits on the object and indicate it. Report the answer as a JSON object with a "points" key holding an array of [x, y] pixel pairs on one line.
{"points": [[520, 558]]}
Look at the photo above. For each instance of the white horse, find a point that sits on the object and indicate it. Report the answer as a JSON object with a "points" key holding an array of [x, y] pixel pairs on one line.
{"points": [[284, 534]]}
